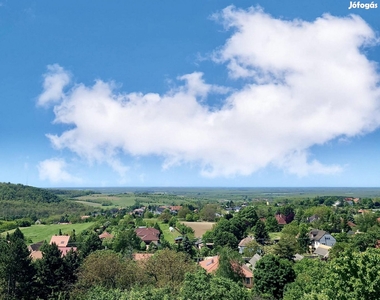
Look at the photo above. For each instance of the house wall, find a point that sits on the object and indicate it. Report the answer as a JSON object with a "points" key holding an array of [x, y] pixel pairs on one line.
{"points": [[327, 240]]}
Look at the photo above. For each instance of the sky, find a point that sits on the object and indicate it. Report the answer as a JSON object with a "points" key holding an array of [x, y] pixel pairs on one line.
{"points": [[274, 93]]}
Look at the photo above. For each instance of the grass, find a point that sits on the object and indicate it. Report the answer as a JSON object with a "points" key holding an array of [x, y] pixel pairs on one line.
{"points": [[199, 227], [274, 235], [123, 200], [169, 236], [37, 233]]}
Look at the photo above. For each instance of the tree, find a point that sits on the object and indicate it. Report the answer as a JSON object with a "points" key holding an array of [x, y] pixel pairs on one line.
{"points": [[208, 212], [168, 267], [89, 242], [261, 234], [125, 241], [51, 271], [251, 249], [271, 224], [249, 216], [272, 274], [286, 247], [354, 275], [107, 269], [310, 273], [16, 270], [303, 239], [230, 265], [202, 286]]}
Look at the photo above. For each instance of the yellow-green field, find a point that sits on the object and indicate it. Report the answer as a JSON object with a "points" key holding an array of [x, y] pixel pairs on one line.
{"points": [[37, 233], [124, 200]]}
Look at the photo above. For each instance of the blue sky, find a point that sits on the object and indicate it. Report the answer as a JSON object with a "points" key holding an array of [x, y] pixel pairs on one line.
{"points": [[189, 93]]}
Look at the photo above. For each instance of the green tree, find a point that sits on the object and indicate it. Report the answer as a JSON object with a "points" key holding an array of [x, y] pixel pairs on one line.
{"points": [[303, 239], [261, 234], [310, 273], [202, 286], [125, 241], [354, 275], [230, 265], [16, 270], [208, 212], [51, 271], [89, 242], [272, 274], [168, 267], [271, 224], [286, 247]]}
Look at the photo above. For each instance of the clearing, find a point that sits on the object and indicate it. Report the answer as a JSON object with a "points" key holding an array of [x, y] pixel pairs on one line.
{"points": [[199, 227]]}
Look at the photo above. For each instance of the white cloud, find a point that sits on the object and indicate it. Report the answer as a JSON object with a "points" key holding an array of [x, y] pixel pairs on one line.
{"points": [[54, 171], [54, 81], [307, 83]]}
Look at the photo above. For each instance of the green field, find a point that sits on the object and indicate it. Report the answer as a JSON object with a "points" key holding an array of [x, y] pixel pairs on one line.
{"points": [[123, 200], [37, 233], [169, 236]]}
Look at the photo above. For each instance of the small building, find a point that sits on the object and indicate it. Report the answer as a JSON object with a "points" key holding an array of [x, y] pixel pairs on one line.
{"points": [[243, 243], [322, 251], [62, 242], [148, 235], [254, 260], [321, 237]]}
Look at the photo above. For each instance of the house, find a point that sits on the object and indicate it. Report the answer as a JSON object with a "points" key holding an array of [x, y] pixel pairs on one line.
{"points": [[62, 242], [321, 237], [148, 235], [243, 243], [312, 219], [254, 260], [34, 250], [280, 219], [211, 264], [322, 251]]}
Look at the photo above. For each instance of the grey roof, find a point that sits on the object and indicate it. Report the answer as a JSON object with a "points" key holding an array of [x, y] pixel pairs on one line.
{"points": [[322, 250], [316, 234], [298, 257], [254, 260]]}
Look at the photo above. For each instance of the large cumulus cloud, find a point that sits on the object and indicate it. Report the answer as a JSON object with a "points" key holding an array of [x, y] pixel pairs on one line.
{"points": [[305, 83]]}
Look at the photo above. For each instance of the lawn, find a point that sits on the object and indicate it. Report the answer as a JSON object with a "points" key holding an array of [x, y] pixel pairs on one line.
{"points": [[169, 236], [37, 233], [275, 235]]}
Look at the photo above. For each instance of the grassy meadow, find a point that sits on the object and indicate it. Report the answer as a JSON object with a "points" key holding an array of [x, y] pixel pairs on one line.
{"points": [[37, 233]]}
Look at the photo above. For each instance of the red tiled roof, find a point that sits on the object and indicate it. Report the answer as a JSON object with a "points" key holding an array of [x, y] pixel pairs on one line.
{"points": [[280, 219], [105, 235], [60, 240], [148, 234], [211, 264], [176, 208]]}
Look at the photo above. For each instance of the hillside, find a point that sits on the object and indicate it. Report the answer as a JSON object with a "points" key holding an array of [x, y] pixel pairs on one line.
{"points": [[20, 201], [10, 191]]}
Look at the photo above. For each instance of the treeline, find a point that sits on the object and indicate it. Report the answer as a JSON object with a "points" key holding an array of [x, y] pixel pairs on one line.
{"points": [[72, 193], [19, 192]]}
